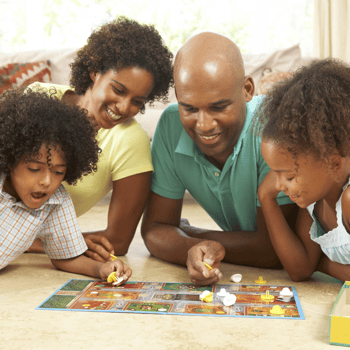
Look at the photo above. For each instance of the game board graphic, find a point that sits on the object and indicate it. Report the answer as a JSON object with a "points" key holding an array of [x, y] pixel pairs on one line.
{"points": [[171, 299]]}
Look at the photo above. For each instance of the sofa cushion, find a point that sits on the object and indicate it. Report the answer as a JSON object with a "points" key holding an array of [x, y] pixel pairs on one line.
{"points": [[59, 59], [16, 75], [282, 60], [269, 78]]}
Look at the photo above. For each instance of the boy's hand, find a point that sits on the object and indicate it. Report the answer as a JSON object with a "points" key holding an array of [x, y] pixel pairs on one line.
{"points": [[99, 248], [210, 252], [119, 267]]}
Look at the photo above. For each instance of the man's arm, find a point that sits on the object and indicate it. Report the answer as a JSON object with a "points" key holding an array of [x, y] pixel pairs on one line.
{"points": [[247, 247], [165, 240]]}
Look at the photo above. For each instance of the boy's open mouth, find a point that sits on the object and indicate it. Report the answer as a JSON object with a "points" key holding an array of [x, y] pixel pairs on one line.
{"points": [[38, 195]]}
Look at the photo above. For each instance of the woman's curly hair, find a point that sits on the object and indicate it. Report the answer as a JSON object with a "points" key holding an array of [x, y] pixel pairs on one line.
{"points": [[309, 113], [120, 44], [30, 119]]}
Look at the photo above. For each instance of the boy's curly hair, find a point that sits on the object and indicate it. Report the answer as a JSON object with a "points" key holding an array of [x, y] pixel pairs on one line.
{"points": [[310, 112], [30, 119], [120, 44]]}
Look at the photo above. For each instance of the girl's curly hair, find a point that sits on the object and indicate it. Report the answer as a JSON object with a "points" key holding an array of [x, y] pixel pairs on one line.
{"points": [[310, 112], [30, 119], [120, 44]]}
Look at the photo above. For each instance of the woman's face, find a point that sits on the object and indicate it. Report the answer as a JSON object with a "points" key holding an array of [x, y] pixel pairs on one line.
{"points": [[117, 96]]}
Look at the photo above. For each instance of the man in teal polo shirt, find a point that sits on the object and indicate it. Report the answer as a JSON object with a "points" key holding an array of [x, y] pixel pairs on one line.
{"points": [[205, 144]]}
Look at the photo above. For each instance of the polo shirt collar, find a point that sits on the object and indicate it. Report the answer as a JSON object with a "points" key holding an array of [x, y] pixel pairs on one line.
{"points": [[188, 147]]}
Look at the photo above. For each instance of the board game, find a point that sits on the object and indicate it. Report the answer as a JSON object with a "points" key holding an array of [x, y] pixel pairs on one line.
{"points": [[171, 299]]}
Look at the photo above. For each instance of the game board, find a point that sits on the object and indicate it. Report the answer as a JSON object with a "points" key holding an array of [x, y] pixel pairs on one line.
{"points": [[170, 299]]}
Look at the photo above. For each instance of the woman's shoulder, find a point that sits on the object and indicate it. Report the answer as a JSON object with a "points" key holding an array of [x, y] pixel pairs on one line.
{"points": [[129, 132]]}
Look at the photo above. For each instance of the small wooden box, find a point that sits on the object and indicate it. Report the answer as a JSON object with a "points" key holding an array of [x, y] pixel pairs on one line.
{"points": [[339, 318]]}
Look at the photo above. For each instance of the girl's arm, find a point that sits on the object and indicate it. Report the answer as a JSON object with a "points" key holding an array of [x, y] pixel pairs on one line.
{"points": [[345, 206], [128, 201], [299, 255], [86, 266], [334, 269]]}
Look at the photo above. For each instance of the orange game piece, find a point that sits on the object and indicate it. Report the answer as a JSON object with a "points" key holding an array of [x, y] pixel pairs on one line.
{"points": [[208, 266], [260, 280], [113, 257], [267, 296], [112, 277], [277, 310]]}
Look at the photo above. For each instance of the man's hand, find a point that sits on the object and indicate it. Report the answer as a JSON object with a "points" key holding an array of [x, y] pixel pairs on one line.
{"points": [[210, 252], [99, 248]]}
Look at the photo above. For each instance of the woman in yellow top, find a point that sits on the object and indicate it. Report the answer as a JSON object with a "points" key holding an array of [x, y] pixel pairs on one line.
{"points": [[123, 66]]}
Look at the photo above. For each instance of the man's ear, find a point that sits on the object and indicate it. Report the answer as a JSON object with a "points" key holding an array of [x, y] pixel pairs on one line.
{"points": [[249, 88]]}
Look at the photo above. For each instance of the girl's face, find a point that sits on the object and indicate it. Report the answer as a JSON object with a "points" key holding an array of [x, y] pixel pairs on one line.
{"points": [[115, 97], [33, 181], [305, 183]]}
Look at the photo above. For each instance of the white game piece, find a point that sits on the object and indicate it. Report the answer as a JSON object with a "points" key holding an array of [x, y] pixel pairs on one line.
{"points": [[162, 310], [286, 294], [94, 293], [119, 280], [229, 300], [222, 294], [236, 278]]}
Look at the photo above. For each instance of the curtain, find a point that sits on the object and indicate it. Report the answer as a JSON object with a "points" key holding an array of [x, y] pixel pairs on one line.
{"points": [[332, 29]]}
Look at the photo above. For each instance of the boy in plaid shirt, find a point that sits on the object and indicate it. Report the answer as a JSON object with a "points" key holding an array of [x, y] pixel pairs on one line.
{"points": [[42, 143]]}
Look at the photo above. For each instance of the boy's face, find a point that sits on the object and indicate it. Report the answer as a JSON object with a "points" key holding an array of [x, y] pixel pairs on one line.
{"points": [[34, 181], [305, 183]]}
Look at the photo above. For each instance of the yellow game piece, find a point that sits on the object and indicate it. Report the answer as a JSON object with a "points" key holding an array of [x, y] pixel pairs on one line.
{"points": [[260, 280], [267, 296], [86, 305], [208, 266], [208, 298], [112, 277], [277, 310], [113, 257]]}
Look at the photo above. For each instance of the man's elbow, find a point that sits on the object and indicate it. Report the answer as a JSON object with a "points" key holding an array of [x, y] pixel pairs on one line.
{"points": [[299, 276], [148, 237]]}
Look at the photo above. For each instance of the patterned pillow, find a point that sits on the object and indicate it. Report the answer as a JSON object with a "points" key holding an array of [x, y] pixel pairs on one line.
{"points": [[269, 78], [16, 75]]}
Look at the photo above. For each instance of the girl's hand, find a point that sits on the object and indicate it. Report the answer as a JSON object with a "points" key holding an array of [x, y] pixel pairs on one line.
{"points": [[119, 267], [267, 188]]}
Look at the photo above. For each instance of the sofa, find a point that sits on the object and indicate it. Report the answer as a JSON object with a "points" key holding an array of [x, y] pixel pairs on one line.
{"points": [[22, 68]]}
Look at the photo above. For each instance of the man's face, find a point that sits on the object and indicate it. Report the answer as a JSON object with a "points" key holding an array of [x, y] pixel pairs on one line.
{"points": [[212, 110]]}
